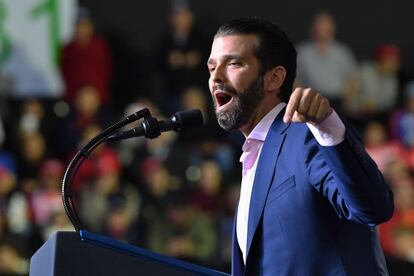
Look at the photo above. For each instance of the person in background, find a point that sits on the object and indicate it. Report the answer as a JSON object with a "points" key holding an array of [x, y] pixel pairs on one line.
{"points": [[110, 205], [325, 64], [382, 149], [33, 151], [183, 232], [402, 123], [397, 235], [87, 110], [14, 222], [207, 195], [377, 89], [181, 54], [46, 199], [87, 60]]}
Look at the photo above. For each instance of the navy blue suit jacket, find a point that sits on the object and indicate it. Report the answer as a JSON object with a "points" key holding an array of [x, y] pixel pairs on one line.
{"points": [[314, 209]]}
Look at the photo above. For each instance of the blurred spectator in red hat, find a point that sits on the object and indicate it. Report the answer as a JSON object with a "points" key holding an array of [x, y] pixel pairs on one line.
{"points": [[107, 164], [389, 54], [378, 84], [52, 168], [382, 149], [46, 200]]}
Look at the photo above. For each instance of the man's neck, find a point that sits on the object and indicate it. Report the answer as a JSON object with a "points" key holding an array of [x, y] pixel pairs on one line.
{"points": [[261, 111]]}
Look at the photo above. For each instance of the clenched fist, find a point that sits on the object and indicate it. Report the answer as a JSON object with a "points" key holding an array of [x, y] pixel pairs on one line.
{"points": [[307, 106]]}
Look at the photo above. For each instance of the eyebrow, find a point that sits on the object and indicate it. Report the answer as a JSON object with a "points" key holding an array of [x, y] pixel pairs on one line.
{"points": [[225, 57]]}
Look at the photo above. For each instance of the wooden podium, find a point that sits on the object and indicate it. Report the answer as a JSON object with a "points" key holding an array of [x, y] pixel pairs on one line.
{"points": [[87, 254]]}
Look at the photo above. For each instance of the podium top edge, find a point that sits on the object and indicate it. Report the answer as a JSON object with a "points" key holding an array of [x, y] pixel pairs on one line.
{"points": [[151, 256]]}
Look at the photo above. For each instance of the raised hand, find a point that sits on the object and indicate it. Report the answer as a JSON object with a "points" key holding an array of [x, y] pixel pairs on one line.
{"points": [[307, 106]]}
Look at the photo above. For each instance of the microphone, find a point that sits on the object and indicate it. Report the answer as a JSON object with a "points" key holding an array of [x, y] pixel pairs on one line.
{"points": [[152, 128]]}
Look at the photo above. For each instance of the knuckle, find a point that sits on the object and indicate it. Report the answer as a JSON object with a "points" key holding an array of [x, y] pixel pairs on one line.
{"points": [[297, 91], [319, 96], [310, 91]]}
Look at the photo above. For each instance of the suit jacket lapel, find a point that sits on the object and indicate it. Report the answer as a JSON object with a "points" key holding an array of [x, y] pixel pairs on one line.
{"points": [[264, 174]]}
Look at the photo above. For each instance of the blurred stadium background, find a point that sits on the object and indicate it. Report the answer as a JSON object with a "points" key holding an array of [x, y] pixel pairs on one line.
{"points": [[70, 68]]}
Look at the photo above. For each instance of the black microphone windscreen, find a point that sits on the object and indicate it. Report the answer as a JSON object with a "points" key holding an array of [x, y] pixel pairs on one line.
{"points": [[189, 119]]}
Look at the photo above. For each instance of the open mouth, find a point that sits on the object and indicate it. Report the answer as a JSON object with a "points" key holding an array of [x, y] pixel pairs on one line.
{"points": [[223, 98]]}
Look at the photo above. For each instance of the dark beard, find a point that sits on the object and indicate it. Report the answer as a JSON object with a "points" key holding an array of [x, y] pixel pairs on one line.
{"points": [[244, 104]]}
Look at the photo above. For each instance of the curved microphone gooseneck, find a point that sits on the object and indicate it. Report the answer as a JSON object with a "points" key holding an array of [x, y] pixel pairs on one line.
{"points": [[81, 155], [150, 128]]}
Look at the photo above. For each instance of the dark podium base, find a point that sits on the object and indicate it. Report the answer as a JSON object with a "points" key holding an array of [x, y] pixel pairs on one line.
{"points": [[87, 254]]}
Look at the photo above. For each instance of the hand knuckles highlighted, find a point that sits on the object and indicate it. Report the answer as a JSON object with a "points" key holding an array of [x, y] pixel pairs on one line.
{"points": [[305, 93], [307, 105]]}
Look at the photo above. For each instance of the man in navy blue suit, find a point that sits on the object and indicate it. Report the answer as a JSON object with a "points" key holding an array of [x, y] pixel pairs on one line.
{"points": [[310, 195]]}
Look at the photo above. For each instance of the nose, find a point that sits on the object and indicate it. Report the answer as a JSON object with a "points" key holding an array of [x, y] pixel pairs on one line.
{"points": [[218, 75]]}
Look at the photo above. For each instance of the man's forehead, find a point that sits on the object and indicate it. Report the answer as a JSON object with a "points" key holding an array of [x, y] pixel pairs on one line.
{"points": [[233, 43]]}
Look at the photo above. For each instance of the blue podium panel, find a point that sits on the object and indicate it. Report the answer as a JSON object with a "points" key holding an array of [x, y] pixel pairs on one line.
{"points": [[87, 254]]}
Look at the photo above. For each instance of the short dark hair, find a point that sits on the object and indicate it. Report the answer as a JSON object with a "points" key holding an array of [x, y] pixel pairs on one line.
{"points": [[274, 47]]}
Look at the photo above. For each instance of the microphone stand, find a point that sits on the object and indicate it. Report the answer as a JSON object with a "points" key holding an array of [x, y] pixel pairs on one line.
{"points": [[152, 131]]}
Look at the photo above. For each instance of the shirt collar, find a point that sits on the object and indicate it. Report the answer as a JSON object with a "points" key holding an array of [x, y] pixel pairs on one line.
{"points": [[262, 128]]}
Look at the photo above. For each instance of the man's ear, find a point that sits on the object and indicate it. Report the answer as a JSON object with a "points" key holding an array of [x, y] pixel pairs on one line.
{"points": [[274, 78]]}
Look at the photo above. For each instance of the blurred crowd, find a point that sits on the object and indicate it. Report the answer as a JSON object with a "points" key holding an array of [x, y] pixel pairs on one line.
{"points": [[177, 194]]}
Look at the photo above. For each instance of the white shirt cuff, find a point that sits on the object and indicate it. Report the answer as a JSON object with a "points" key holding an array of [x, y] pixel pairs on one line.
{"points": [[330, 132]]}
